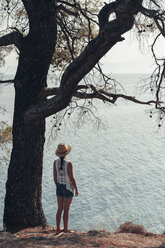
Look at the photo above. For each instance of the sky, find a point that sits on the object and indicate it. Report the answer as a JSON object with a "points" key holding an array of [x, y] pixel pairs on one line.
{"points": [[129, 56], [124, 57]]}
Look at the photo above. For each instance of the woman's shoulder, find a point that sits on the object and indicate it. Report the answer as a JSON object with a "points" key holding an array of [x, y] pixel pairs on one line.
{"points": [[68, 162], [56, 161]]}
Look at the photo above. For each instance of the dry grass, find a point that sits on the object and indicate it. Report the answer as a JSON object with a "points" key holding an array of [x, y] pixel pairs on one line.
{"points": [[5, 140], [39, 237], [129, 227], [5, 133]]}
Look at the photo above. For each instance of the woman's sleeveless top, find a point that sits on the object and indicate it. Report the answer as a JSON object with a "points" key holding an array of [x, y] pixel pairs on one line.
{"points": [[62, 175]]}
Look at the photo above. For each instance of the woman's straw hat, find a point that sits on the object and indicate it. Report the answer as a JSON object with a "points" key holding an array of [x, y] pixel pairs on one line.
{"points": [[62, 150]]}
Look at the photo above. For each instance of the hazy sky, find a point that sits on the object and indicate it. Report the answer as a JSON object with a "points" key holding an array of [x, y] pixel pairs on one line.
{"points": [[124, 57], [129, 56]]}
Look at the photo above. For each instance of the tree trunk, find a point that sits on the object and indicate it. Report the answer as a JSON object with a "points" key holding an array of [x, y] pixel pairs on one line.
{"points": [[23, 188], [23, 206]]}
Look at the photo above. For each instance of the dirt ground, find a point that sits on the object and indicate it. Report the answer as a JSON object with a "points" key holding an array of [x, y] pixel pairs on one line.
{"points": [[47, 238]]}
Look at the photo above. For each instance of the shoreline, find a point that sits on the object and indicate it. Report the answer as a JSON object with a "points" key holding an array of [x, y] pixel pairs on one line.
{"points": [[39, 237]]}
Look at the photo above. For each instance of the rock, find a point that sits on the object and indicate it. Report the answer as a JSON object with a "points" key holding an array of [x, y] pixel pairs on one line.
{"points": [[162, 245], [74, 238], [93, 233], [149, 234], [98, 233], [6, 235], [34, 238], [38, 238]]}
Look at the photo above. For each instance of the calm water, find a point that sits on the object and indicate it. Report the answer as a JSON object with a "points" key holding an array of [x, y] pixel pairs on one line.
{"points": [[120, 169]]}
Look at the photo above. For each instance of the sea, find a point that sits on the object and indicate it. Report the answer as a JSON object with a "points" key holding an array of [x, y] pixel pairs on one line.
{"points": [[118, 161]]}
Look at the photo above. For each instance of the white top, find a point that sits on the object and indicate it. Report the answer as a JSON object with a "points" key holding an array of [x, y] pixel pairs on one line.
{"points": [[62, 175]]}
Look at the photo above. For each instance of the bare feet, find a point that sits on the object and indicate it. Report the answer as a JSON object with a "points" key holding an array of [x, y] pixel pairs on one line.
{"points": [[59, 231], [68, 231], [63, 230]]}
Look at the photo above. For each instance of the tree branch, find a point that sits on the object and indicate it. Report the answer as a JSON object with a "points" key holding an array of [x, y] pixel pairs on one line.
{"points": [[10, 81], [93, 52], [67, 3], [98, 94], [159, 85], [11, 38], [67, 11], [129, 98], [156, 16]]}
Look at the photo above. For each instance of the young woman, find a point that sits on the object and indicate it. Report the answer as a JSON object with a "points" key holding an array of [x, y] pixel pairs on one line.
{"points": [[65, 185]]}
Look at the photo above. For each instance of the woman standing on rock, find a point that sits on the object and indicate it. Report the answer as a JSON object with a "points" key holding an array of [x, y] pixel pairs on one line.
{"points": [[65, 185]]}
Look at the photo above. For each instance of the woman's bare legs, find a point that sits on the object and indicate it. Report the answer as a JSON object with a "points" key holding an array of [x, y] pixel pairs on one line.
{"points": [[67, 202], [60, 201]]}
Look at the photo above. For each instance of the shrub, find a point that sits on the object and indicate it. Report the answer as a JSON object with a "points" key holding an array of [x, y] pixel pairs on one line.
{"points": [[5, 135], [5, 140], [129, 227]]}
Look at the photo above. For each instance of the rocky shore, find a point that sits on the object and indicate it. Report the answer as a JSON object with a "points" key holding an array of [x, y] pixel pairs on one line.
{"points": [[47, 238]]}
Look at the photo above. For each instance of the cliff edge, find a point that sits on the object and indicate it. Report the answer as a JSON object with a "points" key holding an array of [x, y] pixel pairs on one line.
{"points": [[47, 238]]}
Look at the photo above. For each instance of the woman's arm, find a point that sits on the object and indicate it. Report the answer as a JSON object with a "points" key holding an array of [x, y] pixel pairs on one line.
{"points": [[54, 173], [71, 177]]}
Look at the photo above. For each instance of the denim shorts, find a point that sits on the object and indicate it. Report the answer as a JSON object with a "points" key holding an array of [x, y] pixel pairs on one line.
{"points": [[62, 191]]}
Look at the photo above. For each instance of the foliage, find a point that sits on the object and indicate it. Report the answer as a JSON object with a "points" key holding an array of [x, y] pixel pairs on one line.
{"points": [[129, 227], [77, 24], [5, 140]]}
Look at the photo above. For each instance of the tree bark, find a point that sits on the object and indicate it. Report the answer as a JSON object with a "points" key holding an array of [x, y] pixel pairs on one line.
{"points": [[23, 206]]}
